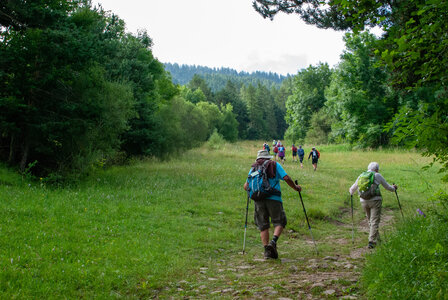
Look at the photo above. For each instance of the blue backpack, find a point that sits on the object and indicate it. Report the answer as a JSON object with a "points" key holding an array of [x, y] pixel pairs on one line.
{"points": [[259, 186]]}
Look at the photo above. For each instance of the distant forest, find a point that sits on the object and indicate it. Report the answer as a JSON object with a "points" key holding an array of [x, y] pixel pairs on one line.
{"points": [[217, 78]]}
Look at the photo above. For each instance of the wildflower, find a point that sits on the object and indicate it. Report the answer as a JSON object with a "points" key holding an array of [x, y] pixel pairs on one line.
{"points": [[420, 212]]}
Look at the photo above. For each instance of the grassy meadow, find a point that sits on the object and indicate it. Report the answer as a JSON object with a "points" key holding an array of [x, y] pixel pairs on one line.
{"points": [[160, 228]]}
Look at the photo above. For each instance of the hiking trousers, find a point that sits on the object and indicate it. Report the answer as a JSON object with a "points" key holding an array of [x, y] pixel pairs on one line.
{"points": [[372, 209]]}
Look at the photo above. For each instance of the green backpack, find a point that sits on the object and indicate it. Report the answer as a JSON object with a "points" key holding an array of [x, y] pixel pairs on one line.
{"points": [[367, 189]]}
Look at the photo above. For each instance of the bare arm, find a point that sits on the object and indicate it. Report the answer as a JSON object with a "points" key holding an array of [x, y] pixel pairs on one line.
{"points": [[292, 184], [246, 185]]}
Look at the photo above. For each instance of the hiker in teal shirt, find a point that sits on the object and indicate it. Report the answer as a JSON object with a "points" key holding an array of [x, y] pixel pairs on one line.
{"points": [[271, 209]]}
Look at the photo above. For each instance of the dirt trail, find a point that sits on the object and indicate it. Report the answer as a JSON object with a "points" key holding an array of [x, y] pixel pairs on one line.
{"points": [[293, 276]]}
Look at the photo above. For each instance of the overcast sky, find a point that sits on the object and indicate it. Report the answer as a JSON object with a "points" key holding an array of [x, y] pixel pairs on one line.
{"points": [[227, 33]]}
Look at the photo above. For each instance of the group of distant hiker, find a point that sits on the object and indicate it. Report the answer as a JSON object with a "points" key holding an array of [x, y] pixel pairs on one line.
{"points": [[279, 150], [263, 186]]}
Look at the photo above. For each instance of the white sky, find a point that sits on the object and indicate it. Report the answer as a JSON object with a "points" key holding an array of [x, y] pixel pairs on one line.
{"points": [[228, 33]]}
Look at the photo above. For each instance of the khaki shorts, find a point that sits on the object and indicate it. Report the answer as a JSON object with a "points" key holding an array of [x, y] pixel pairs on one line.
{"points": [[269, 209]]}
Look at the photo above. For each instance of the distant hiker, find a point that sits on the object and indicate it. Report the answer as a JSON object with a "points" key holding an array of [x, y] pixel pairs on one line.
{"points": [[281, 153], [301, 154], [275, 151], [315, 155], [266, 147], [368, 186], [270, 209], [294, 152]]}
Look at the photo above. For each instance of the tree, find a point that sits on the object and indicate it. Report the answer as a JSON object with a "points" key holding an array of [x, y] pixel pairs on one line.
{"points": [[358, 95], [307, 98], [55, 96], [280, 96], [133, 62], [266, 100], [231, 94], [185, 126], [257, 125], [197, 82], [212, 114], [192, 96], [320, 127], [229, 125]]}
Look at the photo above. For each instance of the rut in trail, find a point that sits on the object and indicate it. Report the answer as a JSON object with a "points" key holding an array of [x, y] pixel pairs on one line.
{"points": [[295, 275]]}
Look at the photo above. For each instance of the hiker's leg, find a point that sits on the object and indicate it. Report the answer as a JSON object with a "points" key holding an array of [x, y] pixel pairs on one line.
{"points": [[375, 218], [278, 230], [365, 205], [264, 235], [278, 216], [261, 218]]}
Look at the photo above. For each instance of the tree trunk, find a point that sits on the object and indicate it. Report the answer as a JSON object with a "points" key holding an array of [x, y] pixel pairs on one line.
{"points": [[25, 151], [11, 150]]}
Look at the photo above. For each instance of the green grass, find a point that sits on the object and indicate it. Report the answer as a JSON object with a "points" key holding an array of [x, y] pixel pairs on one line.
{"points": [[136, 231], [413, 263]]}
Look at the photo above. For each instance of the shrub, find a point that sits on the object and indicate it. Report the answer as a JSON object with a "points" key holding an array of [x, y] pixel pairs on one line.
{"points": [[216, 141]]}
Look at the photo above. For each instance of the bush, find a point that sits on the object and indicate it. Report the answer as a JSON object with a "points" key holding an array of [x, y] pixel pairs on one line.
{"points": [[216, 141], [413, 264]]}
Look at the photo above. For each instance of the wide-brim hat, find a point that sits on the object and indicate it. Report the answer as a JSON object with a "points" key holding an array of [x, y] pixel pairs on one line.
{"points": [[263, 154]]}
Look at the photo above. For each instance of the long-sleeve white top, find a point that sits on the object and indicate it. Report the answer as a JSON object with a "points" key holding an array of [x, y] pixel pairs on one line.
{"points": [[379, 179]]}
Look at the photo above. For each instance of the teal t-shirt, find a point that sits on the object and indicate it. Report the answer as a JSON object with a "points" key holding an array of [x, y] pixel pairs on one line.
{"points": [[275, 182]]}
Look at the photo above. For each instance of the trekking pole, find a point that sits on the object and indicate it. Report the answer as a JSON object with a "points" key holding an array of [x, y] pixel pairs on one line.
{"points": [[399, 205], [245, 225], [353, 222], [307, 221]]}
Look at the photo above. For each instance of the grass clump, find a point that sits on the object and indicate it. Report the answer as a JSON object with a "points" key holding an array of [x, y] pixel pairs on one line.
{"points": [[413, 264]]}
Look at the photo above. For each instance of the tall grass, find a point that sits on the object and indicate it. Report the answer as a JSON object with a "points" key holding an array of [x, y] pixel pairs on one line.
{"points": [[413, 263], [130, 231]]}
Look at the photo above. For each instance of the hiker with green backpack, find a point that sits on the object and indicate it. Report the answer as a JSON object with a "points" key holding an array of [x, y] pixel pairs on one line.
{"points": [[368, 186], [263, 186]]}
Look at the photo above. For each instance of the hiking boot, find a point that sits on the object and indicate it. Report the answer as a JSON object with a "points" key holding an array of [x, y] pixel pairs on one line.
{"points": [[371, 245], [267, 252], [270, 251], [274, 252]]}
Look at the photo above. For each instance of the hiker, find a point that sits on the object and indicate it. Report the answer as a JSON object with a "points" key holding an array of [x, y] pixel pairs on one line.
{"points": [[266, 147], [368, 186], [294, 152], [315, 157], [281, 153], [271, 207], [301, 154], [275, 149]]}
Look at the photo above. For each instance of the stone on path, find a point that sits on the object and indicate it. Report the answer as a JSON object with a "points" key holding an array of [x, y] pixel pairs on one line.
{"points": [[334, 258], [329, 292]]}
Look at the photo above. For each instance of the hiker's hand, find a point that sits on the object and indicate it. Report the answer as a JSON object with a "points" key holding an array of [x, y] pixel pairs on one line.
{"points": [[298, 188], [395, 186]]}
